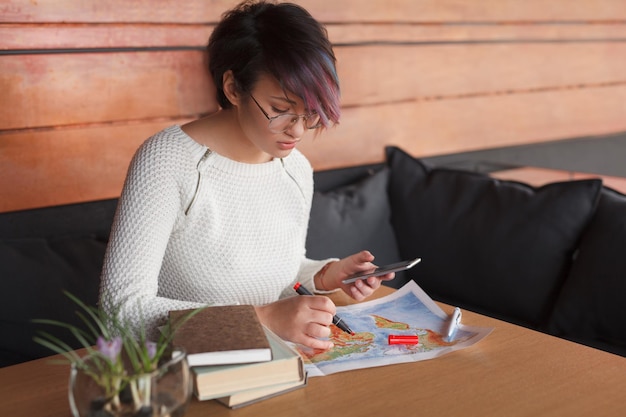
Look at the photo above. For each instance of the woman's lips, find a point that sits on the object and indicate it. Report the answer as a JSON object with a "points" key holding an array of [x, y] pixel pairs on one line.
{"points": [[287, 145]]}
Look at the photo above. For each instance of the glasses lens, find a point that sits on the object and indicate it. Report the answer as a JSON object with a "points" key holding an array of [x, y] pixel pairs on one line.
{"points": [[283, 122], [313, 121]]}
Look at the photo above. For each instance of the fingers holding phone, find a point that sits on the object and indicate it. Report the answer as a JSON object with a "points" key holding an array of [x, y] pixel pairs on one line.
{"points": [[363, 288], [381, 271]]}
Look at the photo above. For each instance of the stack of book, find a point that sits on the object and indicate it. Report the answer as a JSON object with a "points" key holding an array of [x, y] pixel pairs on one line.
{"points": [[234, 359]]}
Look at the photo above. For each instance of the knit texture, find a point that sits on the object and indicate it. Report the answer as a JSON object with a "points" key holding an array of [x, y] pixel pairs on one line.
{"points": [[194, 228]]}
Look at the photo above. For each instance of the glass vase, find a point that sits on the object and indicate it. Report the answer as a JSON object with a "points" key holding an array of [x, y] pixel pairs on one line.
{"points": [[165, 392]]}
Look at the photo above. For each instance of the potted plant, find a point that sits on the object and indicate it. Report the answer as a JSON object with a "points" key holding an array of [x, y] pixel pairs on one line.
{"points": [[120, 373]]}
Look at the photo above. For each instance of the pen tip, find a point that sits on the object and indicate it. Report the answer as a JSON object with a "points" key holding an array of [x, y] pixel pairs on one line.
{"points": [[352, 333]]}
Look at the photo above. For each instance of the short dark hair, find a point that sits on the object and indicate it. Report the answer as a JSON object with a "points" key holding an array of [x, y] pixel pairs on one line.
{"points": [[284, 41]]}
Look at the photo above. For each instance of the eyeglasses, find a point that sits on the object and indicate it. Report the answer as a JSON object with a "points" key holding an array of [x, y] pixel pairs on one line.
{"points": [[282, 122]]}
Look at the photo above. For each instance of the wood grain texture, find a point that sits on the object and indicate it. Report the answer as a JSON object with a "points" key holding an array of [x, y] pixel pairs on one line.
{"points": [[402, 73], [60, 89], [521, 373], [447, 126], [324, 10], [83, 84], [173, 83], [52, 166], [29, 36], [37, 36], [39, 169]]}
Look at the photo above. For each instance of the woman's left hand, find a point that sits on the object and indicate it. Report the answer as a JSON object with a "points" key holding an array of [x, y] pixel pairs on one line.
{"points": [[330, 277]]}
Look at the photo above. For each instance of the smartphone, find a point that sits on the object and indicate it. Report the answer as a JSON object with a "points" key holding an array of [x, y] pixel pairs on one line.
{"points": [[382, 270]]}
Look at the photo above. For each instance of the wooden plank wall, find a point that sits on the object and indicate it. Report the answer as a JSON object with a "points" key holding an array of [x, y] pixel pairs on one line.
{"points": [[83, 83]]}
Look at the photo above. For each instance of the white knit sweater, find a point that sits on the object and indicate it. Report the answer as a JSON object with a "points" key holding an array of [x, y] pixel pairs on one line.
{"points": [[241, 241]]}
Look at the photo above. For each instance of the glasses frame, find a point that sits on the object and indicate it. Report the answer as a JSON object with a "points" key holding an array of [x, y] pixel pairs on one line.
{"points": [[294, 118]]}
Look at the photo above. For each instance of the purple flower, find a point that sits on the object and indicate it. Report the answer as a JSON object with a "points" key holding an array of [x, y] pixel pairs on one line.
{"points": [[110, 348], [151, 348]]}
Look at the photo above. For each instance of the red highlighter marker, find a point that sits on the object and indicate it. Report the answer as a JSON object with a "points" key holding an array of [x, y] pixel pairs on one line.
{"points": [[395, 339]]}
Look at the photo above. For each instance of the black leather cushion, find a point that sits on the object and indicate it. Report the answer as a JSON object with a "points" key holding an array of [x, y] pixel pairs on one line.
{"points": [[35, 272], [498, 247], [352, 218], [590, 308], [330, 179], [78, 219]]}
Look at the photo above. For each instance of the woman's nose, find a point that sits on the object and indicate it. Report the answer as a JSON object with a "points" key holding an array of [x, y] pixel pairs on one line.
{"points": [[297, 129]]}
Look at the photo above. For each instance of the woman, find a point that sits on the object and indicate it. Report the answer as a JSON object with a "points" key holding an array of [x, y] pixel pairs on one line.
{"points": [[216, 211]]}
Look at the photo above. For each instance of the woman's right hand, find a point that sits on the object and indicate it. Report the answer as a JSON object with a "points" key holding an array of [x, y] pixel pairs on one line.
{"points": [[303, 319]]}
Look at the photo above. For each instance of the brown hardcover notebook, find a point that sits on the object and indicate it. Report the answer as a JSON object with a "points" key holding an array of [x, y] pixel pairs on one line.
{"points": [[221, 335]]}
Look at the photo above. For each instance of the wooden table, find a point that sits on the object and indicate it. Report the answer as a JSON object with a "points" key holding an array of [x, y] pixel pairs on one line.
{"points": [[512, 372]]}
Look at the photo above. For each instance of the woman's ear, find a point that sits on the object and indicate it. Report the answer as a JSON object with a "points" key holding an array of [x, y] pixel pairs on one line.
{"points": [[231, 91]]}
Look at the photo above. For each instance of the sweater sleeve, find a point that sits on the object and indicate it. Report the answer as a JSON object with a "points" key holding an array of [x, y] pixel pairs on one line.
{"points": [[308, 269], [145, 216]]}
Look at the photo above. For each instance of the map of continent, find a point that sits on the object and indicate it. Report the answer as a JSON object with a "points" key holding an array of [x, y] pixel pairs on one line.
{"points": [[408, 311]]}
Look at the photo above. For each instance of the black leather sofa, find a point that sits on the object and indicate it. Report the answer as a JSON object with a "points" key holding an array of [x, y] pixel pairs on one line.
{"points": [[549, 258]]}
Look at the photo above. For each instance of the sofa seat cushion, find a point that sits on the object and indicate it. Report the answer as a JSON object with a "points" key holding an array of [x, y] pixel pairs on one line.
{"points": [[351, 218], [589, 308], [501, 248], [35, 272]]}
